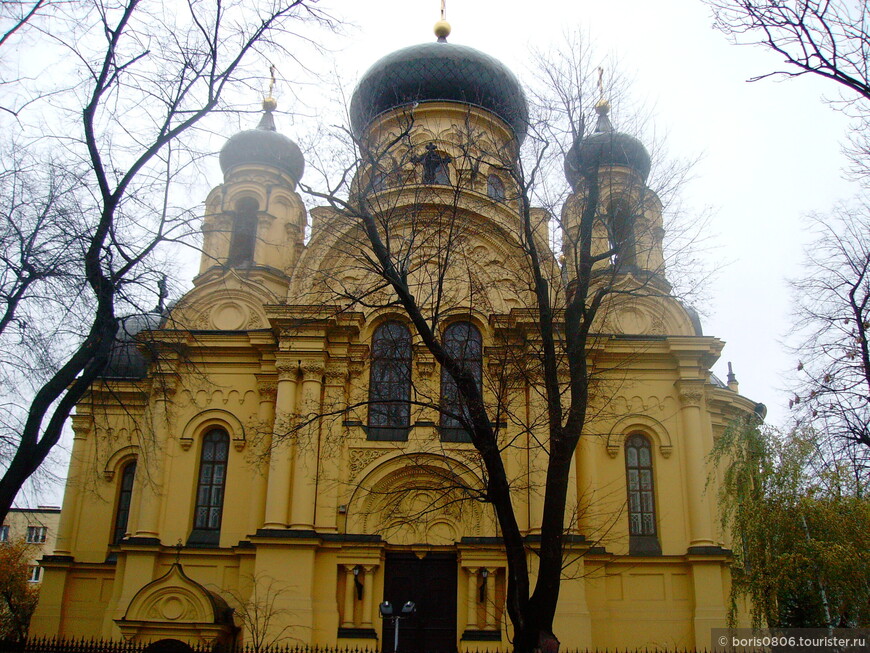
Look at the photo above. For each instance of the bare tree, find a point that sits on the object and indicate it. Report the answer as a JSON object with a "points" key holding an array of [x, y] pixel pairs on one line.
{"points": [[404, 224], [825, 38], [820, 37], [833, 325], [257, 612], [146, 76]]}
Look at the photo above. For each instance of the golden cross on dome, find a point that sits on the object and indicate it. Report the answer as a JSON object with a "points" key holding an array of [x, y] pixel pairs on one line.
{"points": [[271, 78], [443, 9], [600, 82]]}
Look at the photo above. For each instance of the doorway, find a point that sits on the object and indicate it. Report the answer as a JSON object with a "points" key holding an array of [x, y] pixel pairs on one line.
{"points": [[430, 582]]}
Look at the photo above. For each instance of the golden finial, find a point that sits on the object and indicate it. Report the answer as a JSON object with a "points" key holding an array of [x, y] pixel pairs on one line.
{"points": [[442, 27], [602, 106], [270, 103]]}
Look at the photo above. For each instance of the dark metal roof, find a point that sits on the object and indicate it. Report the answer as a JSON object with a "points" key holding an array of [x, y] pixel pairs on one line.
{"points": [[125, 359], [605, 148], [264, 146], [439, 71]]}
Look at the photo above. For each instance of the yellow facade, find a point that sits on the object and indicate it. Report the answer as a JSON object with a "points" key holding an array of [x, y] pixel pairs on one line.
{"points": [[267, 357]]}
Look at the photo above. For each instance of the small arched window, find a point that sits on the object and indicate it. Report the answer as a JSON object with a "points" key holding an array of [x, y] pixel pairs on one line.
{"points": [[378, 181], [210, 487], [463, 343], [125, 496], [643, 538], [390, 383], [620, 222], [244, 235], [495, 188]]}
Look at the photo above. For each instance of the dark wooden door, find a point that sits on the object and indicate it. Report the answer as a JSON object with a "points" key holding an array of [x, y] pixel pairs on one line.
{"points": [[430, 582]]}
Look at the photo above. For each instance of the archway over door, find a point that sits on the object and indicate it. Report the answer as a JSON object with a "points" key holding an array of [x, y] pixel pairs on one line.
{"points": [[430, 582]]}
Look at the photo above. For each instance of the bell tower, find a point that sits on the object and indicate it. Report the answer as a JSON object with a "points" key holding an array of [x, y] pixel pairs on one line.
{"points": [[628, 214], [255, 219]]}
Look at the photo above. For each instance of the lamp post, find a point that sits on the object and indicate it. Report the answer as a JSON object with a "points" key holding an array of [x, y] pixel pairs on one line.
{"points": [[387, 612]]}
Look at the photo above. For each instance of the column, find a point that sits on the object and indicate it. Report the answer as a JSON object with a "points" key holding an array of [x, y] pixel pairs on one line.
{"points": [[700, 523], [585, 456], [349, 592], [82, 425], [267, 389], [304, 492], [368, 593], [331, 435], [152, 481], [278, 486], [489, 604], [472, 598]]}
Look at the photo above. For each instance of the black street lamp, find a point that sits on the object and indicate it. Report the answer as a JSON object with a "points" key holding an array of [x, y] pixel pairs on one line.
{"points": [[387, 612]]}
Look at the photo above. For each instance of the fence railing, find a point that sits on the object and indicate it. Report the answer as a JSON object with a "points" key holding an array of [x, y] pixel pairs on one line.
{"points": [[61, 645]]}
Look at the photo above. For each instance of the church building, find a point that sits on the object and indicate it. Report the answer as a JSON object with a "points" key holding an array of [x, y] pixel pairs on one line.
{"points": [[276, 454]]}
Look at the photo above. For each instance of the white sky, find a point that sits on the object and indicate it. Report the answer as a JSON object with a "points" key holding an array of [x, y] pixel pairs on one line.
{"points": [[771, 149]]}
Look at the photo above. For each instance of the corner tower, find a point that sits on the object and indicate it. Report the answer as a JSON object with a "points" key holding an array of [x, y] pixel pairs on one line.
{"points": [[255, 219], [608, 171]]}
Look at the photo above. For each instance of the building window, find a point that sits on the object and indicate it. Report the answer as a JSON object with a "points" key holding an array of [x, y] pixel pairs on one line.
{"points": [[244, 234], [36, 534], [390, 383], [4, 533], [463, 343], [210, 487], [495, 188], [434, 166], [34, 574], [620, 223], [641, 496], [125, 494]]}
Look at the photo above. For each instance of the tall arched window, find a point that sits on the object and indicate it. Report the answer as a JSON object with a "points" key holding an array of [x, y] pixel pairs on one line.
{"points": [[643, 539], [125, 495], [210, 487], [244, 235], [621, 229], [390, 383], [462, 341], [495, 188]]}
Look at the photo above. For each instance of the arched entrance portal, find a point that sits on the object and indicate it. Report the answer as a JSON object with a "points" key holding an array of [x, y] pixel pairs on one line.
{"points": [[429, 580], [168, 646]]}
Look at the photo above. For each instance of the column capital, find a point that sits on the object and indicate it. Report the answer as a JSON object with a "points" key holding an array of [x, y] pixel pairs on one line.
{"points": [[690, 391]]}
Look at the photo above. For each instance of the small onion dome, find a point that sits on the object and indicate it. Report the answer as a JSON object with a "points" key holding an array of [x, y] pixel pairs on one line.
{"points": [[263, 146], [125, 359], [605, 147], [439, 72]]}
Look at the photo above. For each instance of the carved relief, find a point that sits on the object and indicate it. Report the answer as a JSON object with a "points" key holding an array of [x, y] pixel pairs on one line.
{"points": [[229, 316], [691, 393], [312, 370], [361, 458]]}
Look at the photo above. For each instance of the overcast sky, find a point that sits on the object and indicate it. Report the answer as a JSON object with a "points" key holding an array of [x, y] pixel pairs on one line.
{"points": [[771, 150]]}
